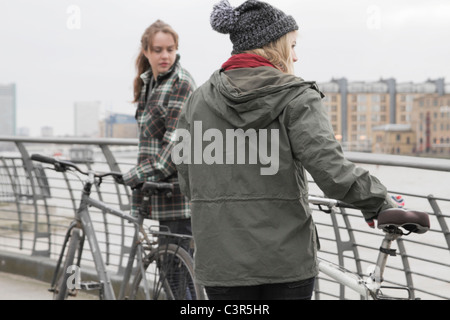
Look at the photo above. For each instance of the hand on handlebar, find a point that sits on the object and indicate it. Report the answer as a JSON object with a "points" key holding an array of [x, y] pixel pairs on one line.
{"points": [[371, 223], [137, 187], [119, 179], [394, 201]]}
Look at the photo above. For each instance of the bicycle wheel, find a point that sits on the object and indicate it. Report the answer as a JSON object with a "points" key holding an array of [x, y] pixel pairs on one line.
{"points": [[169, 275], [61, 290]]}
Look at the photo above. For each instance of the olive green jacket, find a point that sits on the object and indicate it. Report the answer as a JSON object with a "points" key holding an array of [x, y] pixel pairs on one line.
{"points": [[253, 226]]}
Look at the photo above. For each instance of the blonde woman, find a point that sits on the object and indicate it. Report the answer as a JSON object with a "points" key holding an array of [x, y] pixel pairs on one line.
{"points": [[260, 127], [161, 88]]}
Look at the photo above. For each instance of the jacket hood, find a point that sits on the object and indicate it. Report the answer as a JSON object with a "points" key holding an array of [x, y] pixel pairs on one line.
{"points": [[253, 97]]}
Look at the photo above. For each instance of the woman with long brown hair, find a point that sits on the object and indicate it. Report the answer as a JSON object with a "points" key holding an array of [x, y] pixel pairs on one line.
{"points": [[161, 88]]}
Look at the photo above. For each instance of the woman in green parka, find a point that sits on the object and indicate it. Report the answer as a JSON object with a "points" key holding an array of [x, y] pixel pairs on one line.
{"points": [[246, 139]]}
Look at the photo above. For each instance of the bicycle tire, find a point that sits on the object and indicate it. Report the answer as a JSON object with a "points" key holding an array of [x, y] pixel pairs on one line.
{"points": [[61, 290], [169, 271]]}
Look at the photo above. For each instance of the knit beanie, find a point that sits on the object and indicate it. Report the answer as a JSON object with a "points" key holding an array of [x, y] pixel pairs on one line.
{"points": [[251, 25]]}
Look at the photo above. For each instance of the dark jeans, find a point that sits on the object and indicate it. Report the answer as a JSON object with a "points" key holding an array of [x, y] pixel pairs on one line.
{"points": [[298, 290]]}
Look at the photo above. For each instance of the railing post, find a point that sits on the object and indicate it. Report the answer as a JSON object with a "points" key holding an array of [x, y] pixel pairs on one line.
{"points": [[440, 217], [28, 165], [16, 199], [343, 246], [351, 244], [113, 166], [406, 267]]}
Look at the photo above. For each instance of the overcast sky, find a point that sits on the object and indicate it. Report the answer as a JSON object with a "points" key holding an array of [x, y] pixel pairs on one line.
{"points": [[58, 51]]}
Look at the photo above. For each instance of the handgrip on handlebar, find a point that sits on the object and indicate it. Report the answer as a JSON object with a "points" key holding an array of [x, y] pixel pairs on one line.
{"points": [[44, 159], [60, 165], [63, 165]]}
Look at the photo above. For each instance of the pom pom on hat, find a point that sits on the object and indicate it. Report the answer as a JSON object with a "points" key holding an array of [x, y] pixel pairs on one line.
{"points": [[223, 17]]}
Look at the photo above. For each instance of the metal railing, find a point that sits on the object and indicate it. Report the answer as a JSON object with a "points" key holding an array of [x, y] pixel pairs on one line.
{"points": [[36, 206]]}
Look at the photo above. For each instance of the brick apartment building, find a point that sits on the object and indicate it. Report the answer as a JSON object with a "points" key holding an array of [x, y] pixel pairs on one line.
{"points": [[389, 117]]}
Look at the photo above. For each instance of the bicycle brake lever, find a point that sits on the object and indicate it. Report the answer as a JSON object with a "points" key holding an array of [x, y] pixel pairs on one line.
{"points": [[324, 210], [59, 167]]}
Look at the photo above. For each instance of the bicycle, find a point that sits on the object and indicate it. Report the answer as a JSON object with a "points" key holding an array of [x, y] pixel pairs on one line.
{"points": [[169, 265], [392, 222]]}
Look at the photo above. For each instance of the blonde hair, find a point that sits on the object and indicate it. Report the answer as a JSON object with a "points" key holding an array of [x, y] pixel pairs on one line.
{"points": [[278, 53], [142, 63]]}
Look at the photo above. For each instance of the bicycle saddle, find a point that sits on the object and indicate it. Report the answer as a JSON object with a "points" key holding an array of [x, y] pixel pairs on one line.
{"points": [[412, 221]]}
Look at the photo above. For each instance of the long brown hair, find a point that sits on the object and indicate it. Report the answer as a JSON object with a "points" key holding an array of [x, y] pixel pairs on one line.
{"points": [[142, 63]]}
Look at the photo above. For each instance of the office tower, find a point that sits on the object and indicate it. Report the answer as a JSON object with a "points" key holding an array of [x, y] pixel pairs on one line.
{"points": [[87, 117], [8, 110], [119, 126], [47, 131]]}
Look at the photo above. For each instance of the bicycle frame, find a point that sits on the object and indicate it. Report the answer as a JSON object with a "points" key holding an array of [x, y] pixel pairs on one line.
{"points": [[84, 222], [369, 287], [334, 272]]}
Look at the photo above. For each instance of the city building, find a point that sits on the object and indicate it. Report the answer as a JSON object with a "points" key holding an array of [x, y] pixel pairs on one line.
{"points": [[119, 126], [47, 131], [8, 110], [356, 108], [369, 104], [23, 132], [87, 118], [334, 105], [394, 139], [408, 92], [431, 121]]}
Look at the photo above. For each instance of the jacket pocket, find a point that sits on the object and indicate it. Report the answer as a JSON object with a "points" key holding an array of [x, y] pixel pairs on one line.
{"points": [[153, 121]]}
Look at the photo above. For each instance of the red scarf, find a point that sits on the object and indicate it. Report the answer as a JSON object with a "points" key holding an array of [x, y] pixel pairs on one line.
{"points": [[246, 60]]}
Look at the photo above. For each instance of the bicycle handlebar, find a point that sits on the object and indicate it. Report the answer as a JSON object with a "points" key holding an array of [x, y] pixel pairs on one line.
{"points": [[147, 187], [330, 203], [412, 221], [63, 165], [44, 159]]}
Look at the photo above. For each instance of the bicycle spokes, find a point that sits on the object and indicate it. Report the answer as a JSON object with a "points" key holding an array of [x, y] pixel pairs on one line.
{"points": [[168, 275], [175, 279]]}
